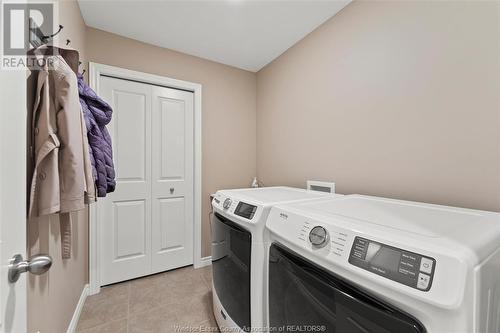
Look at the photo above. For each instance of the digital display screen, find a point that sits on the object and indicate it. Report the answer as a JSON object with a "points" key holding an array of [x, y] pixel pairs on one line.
{"points": [[383, 257], [409, 268], [245, 210]]}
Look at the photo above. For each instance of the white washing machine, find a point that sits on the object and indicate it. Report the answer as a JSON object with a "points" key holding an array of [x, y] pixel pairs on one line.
{"points": [[238, 256], [362, 264]]}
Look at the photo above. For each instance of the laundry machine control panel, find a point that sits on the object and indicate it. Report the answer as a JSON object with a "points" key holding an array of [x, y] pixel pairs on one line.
{"points": [[409, 268], [232, 206]]}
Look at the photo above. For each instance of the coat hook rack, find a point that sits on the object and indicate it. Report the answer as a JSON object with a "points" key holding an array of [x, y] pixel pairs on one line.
{"points": [[55, 33], [83, 71], [37, 37]]}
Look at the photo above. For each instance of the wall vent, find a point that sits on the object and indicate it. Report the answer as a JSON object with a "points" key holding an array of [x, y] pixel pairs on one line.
{"points": [[314, 185]]}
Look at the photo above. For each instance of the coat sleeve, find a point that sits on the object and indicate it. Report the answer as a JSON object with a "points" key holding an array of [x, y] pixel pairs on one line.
{"points": [[71, 162], [45, 184]]}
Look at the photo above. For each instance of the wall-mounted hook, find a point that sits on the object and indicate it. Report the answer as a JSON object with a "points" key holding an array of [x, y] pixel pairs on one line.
{"points": [[54, 34], [67, 42]]}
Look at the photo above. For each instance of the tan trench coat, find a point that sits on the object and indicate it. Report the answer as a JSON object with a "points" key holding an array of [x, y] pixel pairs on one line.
{"points": [[62, 179]]}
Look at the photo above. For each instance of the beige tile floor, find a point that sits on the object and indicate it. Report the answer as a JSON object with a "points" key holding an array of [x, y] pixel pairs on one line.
{"points": [[174, 301]]}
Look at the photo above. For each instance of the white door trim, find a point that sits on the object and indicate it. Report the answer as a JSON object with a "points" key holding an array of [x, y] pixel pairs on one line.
{"points": [[95, 71]]}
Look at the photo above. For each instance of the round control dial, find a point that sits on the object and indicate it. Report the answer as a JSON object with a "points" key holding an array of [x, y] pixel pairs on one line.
{"points": [[227, 203], [318, 236]]}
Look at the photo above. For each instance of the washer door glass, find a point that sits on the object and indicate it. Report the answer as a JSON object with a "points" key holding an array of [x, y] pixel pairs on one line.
{"points": [[305, 297], [231, 250]]}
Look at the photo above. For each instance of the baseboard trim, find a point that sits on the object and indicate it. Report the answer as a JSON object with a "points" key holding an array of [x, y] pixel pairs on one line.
{"points": [[205, 261], [78, 310]]}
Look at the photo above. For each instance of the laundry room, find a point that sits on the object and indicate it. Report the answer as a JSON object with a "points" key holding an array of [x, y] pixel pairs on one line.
{"points": [[250, 166]]}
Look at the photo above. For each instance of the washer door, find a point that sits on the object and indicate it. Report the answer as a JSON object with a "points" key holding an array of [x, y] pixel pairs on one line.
{"points": [[305, 297], [231, 250]]}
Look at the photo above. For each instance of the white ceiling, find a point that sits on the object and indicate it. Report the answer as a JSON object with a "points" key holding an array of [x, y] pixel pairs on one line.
{"points": [[243, 33]]}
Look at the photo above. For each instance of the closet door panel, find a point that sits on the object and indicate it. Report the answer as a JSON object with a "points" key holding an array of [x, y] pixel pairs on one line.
{"points": [[129, 226], [125, 215], [172, 172], [173, 141], [171, 232], [130, 135]]}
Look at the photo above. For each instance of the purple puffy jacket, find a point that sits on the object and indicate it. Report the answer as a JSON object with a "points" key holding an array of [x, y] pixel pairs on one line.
{"points": [[97, 114]]}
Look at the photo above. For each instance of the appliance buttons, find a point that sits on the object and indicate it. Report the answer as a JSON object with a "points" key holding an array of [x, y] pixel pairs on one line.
{"points": [[423, 281], [318, 236], [227, 203], [426, 265]]}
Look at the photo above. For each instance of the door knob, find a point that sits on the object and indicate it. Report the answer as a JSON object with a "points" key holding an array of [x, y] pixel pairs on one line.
{"points": [[36, 265]]}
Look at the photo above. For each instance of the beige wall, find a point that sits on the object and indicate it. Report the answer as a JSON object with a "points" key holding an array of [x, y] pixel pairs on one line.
{"points": [[52, 297], [228, 108], [396, 99]]}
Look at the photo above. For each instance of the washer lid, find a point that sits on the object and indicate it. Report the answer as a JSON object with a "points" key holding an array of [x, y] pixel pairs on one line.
{"points": [[272, 195], [422, 219]]}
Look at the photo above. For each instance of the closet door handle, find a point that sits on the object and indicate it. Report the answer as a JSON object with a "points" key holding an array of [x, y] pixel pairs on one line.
{"points": [[172, 190], [37, 265]]}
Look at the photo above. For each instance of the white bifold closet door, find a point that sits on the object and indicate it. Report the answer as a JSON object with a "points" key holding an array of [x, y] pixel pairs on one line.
{"points": [[146, 225]]}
